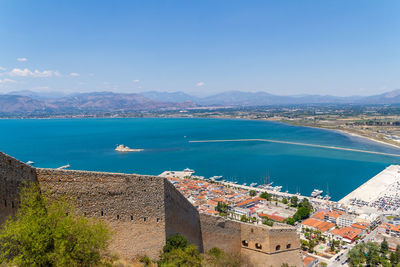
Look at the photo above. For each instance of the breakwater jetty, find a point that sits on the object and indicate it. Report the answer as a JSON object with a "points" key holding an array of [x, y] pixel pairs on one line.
{"points": [[295, 143]]}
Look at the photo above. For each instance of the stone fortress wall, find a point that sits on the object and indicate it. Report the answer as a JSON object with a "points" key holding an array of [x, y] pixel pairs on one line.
{"points": [[13, 173], [144, 211], [258, 245]]}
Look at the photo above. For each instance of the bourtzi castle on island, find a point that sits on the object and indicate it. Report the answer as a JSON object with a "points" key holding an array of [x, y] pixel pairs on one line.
{"points": [[145, 210]]}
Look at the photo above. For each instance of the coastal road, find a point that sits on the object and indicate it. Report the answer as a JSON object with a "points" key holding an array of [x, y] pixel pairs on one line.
{"points": [[295, 143]]}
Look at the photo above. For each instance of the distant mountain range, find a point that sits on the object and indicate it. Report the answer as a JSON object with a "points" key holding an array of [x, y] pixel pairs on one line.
{"points": [[238, 98], [22, 102], [87, 103]]}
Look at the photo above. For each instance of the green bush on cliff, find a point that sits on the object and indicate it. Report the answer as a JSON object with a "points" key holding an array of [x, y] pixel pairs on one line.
{"points": [[216, 257], [179, 252], [50, 233]]}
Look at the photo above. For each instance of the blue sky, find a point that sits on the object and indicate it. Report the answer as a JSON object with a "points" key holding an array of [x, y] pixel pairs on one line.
{"points": [[201, 47]]}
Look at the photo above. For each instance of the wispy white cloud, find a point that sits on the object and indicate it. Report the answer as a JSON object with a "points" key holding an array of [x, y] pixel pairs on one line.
{"points": [[74, 74], [36, 73], [199, 84], [2, 69], [136, 81], [6, 80], [22, 59]]}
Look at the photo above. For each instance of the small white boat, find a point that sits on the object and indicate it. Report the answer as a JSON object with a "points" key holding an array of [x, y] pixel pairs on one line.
{"points": [[327, 197], [188, 170], [253, 184], [278, 188], [30, 162]]}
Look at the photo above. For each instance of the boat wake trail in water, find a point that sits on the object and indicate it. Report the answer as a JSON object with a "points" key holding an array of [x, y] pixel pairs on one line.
{"points": [[297, 144]]}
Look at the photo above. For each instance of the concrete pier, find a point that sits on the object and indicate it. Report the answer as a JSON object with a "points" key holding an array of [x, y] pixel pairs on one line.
{"points": [[383, 184], [296, 143]]}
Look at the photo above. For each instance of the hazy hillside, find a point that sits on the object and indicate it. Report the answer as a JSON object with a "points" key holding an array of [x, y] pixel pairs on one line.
{"points": [[21, 104], [83, 103], [238, 98], [392, 97], [97, 102], [177, 97]]}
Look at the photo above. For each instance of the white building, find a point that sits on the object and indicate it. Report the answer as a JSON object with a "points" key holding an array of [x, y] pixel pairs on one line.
{"points": [[345, 220]]}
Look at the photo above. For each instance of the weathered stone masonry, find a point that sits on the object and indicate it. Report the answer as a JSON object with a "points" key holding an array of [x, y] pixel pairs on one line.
{"points": [[144, 211], [13, 173]]}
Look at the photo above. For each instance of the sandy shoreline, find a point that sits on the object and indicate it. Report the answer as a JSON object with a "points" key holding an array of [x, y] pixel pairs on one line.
{"points": [[368, 138], [346, 133]]}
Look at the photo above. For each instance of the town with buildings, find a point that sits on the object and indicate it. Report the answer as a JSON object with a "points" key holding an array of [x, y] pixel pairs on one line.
{"points": [[328, 229]]}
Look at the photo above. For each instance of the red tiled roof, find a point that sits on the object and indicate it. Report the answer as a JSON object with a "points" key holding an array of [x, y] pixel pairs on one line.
{"points": [[307, 260], [347, 232], [361, 226], [320, 225], [319, 215], [272, 217], [390, 227], [211, 212], [248, 201], [219, 199], [212, 203]]}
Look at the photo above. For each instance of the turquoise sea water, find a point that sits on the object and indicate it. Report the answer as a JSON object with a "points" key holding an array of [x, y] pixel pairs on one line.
{"points": [[88, 144]]}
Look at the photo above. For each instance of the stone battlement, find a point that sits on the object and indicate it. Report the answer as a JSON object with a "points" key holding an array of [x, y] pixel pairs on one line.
{"points": [[145, 210]]}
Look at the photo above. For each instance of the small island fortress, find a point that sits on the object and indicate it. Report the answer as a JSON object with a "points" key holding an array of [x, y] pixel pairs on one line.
{"points": [[122, 148], [145, 210]]}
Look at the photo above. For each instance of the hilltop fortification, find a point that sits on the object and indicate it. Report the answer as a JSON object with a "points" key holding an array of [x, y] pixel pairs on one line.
{"points": [[144, 211]]}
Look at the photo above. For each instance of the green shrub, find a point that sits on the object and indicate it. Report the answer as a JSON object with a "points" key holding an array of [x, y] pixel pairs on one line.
{"points": [[50, 233]]}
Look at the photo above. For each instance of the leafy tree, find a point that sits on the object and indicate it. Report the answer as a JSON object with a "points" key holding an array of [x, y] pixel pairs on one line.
{"points": [[174, 242], [395, 256], [222, 208], [178, 252], [304, 244], [373, 257], [252, 193], [384, 247], [356, 256], [311, 245], [293, 201], [266, 196], [50, 233], [392, 258], [268, 222], [188, 256], [290, 220], [385, 263], [284, 201], [301, 213], [306, 204], [244, 218]]}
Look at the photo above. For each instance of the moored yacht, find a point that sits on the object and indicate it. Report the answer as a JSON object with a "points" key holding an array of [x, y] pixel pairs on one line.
{"points": [[316, 193]]}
